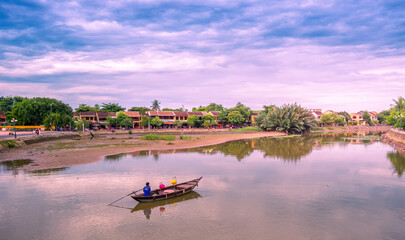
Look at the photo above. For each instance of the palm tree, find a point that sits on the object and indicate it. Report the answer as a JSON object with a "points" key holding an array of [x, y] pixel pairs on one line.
{"points": [[399, 104], [155, 105]]}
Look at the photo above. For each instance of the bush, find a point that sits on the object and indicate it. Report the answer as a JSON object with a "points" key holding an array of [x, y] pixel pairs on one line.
{"points": [[185, 137], [247, 129], [130, 131], [158, 137]]}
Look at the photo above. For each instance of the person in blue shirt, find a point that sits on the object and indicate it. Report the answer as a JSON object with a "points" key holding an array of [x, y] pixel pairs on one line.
{"points": [[146, 190]]}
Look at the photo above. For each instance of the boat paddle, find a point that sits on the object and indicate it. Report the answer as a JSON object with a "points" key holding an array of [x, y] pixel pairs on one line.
{"points": [[126, 196]]}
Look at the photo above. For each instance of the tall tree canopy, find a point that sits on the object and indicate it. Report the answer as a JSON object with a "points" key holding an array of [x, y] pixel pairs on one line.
{"points": [[141, 110], [33, 111], [155, 105], [112, 107]]}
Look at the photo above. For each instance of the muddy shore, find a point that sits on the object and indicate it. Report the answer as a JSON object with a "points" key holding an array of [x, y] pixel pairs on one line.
{"points": [[75, 149]]}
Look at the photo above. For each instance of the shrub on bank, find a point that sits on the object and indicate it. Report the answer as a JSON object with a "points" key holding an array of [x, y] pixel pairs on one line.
{"points": [[158, 137], [247, 129]]}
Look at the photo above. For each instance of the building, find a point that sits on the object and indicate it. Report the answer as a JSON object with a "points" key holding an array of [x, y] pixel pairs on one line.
{"points": [[136, 118], [317, 113], [357, 118], [181, 116], [253, 117], [88, 116], [168, 117], [102, 117]]}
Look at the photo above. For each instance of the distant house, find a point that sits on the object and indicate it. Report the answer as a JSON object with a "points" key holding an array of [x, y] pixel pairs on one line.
{"points": [[357, 118], [253, 117], [317, 113], [2, 117], [102, 117], [181, 116], [88, 116], [374, 115], [198, 114], [168, 117], [136, 118]]}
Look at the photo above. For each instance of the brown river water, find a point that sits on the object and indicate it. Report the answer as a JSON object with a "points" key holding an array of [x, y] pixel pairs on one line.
{"points": [[335, 186]]}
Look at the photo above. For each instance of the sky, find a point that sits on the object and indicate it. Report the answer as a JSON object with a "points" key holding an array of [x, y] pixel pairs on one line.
{"points": [[340, 55]]}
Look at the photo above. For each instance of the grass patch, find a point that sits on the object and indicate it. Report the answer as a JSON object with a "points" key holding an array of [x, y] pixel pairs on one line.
{"points": [[323, 128], [247, 129], [8, 143], [170, 143], [158, 137], [185, 137]]}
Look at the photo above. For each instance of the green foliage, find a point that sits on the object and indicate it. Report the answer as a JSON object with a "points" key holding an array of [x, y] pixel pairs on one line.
{"points": [[111, 121], [130, 132], [79, 124], [382, 116], [158, 137], [192, 120], [112, 107], [399, 105], [340, 121], [235, 117], [58, 120], [156, 122], [8, 143], [33, 111], [144, 121], [123, 120], [208, 120], [185, 137], [290, 118], [85, 108], [346, 115], [210, 108], [141, 110], [155, 105], [245, 111], [7, 103], [367, 117], [327, 119], [247, 129]]}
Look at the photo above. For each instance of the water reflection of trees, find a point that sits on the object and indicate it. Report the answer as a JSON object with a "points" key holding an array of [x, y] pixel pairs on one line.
{"points": [[289, 149], [397, 161], [239, 149]]}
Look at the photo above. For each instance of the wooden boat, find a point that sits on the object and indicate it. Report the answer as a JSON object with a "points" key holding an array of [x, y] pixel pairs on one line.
{"points": [[151, 205], [168, 192]]}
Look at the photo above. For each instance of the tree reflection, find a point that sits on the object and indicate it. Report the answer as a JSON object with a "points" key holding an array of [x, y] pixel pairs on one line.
{"points": [[397, 161], [239, 149], [288, 149]]}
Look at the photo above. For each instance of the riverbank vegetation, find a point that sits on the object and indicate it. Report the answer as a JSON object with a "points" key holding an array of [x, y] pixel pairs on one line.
{"points": [[158, 137], [290, 118]]}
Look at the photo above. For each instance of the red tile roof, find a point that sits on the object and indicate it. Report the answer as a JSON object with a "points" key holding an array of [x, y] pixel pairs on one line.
{"points": [[200, 114], [132, 114], [160, 113], [87, 114], [215, 113], [181, 114], [104, 115]]}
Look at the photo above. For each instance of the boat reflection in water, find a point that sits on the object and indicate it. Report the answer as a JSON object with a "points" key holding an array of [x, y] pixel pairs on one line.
{"points": [[147, 207]]}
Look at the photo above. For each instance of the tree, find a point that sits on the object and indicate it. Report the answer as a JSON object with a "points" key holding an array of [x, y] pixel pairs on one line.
{"points": [[156, 122], [399, 105], [144, 121], [112, 107], [192, 120], [340, 121], [155, 105], [235, 117], [85, 108], [141, 110], [290, 118], [367, 117], [7, 103], [382, 116], [347, 116], [124, 120], [211, 107], [111, 121], [33, 111], [327, 119]]}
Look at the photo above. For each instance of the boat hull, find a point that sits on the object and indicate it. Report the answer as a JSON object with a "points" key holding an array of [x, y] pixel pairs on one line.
{"points": [[168, 192]]}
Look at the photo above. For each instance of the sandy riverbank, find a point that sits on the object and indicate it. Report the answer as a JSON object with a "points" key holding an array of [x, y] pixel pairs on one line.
{"points": [[70, 152]]}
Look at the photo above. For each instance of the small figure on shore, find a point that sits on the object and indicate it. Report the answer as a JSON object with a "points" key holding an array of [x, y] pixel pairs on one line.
{"points": [[146, 190]]}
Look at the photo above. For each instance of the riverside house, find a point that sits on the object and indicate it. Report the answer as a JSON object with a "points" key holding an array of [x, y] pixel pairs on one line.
{"points": [[136, 118]]}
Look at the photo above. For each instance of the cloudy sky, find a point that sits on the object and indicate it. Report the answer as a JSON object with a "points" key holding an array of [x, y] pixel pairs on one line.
{"points": [[329, 54]]}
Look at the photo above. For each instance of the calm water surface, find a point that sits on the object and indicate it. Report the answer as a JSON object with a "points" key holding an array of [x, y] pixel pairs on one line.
{"points": [[313, 187]]}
